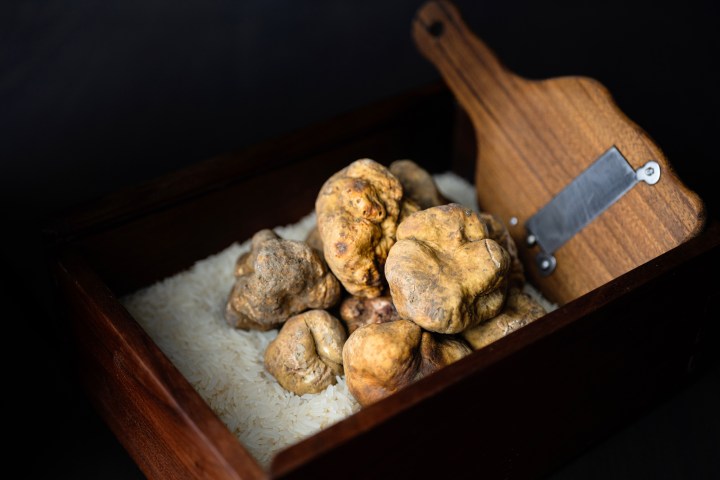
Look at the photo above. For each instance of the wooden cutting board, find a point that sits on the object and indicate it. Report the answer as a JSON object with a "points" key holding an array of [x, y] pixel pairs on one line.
{"points": [[535, 138]]}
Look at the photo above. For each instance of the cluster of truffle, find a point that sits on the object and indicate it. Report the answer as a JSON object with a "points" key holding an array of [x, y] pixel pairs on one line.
{"points": [[418, 282]]}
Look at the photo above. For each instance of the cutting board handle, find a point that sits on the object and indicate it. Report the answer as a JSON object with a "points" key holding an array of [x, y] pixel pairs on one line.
{"points": [[537, 137], [470, 68]]}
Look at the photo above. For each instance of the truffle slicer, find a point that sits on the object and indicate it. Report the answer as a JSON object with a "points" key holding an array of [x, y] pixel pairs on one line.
{"points": [[560, 164]]}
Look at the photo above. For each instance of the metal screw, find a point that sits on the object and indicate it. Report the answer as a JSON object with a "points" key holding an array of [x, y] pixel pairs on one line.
{"points": [[530, 240], [545, 263], [513, 221], [648, 173]]}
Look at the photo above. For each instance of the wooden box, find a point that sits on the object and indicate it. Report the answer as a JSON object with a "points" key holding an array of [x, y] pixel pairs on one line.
{"points": [[518, 408]]}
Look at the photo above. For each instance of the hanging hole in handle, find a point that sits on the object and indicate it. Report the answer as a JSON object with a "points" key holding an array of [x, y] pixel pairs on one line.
{"points": [[436, 28]]}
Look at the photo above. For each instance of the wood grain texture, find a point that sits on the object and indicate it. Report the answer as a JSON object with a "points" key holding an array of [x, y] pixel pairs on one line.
{"points": [[535, 137], [156, 414]]}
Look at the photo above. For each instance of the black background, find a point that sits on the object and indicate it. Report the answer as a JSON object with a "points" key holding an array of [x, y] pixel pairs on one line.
{"points": [[97, 96]]}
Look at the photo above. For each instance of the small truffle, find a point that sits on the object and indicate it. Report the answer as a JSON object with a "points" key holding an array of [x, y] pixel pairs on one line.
{"points": [[444, 272], [245, 262], [381, 358], [306, 355], [418, 185], [520, 309], [313, 239], [498, 232], [357, 214], [359, 311], [277, 279]]}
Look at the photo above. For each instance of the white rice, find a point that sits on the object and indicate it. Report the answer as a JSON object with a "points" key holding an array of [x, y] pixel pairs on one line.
{"points": [[184, 315]]}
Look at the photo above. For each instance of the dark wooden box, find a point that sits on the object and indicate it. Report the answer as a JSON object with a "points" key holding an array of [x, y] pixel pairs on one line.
{"points": [[515, 409]]}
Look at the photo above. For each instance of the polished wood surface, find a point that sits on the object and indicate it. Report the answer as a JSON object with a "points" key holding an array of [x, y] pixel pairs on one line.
{"points": [[535, 137]]}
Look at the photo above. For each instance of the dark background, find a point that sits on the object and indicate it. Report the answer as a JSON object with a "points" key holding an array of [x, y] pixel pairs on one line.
{"points": [[98, 96]]}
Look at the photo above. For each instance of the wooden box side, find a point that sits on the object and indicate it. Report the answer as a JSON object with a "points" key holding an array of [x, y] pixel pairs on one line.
{"points": [[156, 414], [529, 402]]}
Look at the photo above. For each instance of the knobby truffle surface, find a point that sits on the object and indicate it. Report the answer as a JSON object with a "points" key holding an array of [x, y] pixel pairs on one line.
{"points": [[444, 272], [359, 311], [520, 309], [313, 239], [417, 183], [381, 358], [306, 355], [245, 262], [498, 232], [357, 214], [277, 279]]}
